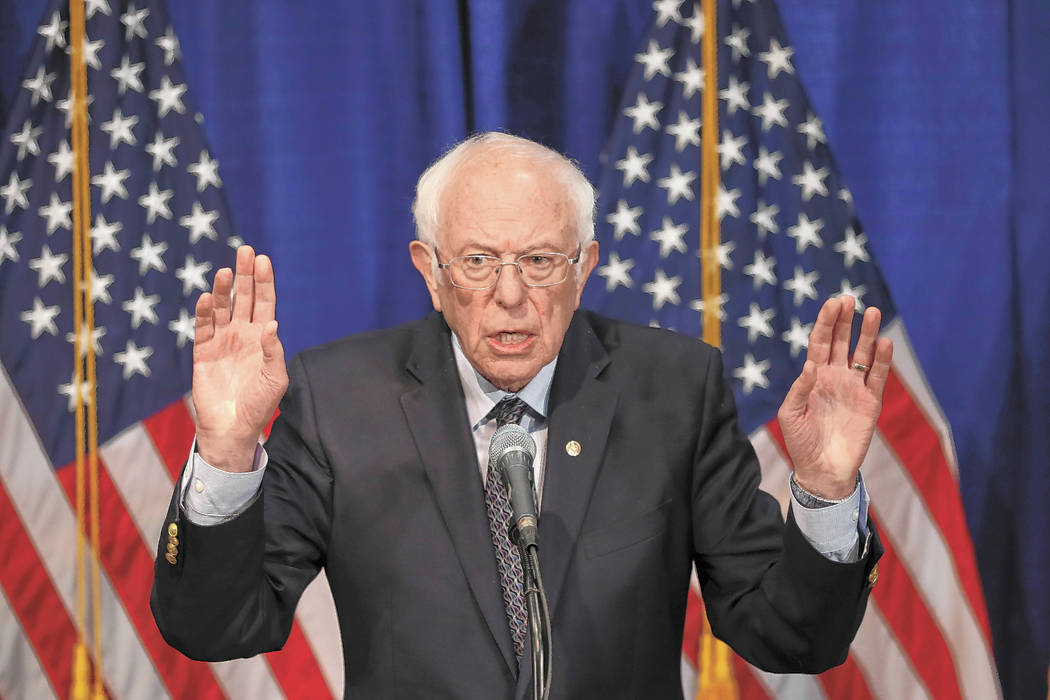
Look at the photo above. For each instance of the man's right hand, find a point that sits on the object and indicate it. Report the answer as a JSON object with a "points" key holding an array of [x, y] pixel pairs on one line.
{"points": [[239, 374]]}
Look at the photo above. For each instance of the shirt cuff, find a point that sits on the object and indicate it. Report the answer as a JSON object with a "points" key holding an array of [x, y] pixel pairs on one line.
{"points": [[834, 528], [211, 496]]}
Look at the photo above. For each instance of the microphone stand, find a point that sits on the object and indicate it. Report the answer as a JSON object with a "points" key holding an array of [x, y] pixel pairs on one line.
{"points": [[514, 450], [536, 604]]}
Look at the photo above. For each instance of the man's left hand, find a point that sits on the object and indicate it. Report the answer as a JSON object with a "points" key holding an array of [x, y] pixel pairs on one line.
{"points": [[828, 417]]}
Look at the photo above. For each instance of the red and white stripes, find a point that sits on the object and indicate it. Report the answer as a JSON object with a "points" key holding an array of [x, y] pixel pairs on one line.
{"points": [[37, 577], [41, 567]]}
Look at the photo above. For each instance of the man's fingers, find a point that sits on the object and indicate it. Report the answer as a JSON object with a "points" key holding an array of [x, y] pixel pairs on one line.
{"points": [[869, 334], [880, 367], [221, 301], [820, 337], [244, 283], [204, 319], [841, 333], [265, 293]]}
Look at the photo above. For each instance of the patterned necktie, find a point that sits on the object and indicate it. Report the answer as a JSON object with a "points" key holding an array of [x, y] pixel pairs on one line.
{"points": [[509, 410]]}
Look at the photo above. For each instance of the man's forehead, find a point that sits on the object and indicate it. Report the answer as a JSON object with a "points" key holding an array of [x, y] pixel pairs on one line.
{"points": [[491, 198], [495, 170]]}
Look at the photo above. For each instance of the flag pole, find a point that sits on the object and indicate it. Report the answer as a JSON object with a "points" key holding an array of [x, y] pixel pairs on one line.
{"points": [[715, 681], [710, 179], [81, 672], [84, 370]]}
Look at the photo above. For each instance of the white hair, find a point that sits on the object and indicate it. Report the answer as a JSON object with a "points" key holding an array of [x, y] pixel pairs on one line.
{"points": [[426, 209]]}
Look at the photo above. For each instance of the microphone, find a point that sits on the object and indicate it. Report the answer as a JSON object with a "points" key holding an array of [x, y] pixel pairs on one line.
{"points": [[511, 452]]}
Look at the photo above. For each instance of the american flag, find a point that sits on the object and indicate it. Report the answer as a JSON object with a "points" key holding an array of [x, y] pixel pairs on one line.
{"points": [[789, 239], [159, 229]]}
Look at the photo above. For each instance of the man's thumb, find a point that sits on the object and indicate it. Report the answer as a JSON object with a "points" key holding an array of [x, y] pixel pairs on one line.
{"points": [[273, 351], [798, 394]]}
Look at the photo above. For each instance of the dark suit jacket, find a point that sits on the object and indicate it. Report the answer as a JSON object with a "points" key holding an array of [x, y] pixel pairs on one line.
{"points": [[373, 475]]}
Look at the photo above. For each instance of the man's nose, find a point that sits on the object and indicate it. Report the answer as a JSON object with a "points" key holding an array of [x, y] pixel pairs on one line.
{"points": [[510, 289]]}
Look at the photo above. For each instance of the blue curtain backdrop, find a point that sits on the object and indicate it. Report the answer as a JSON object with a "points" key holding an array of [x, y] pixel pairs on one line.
{"points": [[323, 114]]}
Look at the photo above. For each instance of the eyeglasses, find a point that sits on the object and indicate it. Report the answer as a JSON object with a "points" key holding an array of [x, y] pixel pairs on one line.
{"points": [[480, 272]]}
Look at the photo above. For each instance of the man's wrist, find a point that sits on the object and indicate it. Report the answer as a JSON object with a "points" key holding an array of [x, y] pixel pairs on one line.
{"points": [[227, 455], [829, 493]]}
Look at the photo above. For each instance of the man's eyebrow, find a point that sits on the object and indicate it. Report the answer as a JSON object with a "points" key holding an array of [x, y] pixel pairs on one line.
{"points": [[487, 248], [478, 247]]}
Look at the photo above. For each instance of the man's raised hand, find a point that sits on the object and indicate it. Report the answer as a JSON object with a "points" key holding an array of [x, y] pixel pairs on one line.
{"points": [[828, 417], [239, 374]]}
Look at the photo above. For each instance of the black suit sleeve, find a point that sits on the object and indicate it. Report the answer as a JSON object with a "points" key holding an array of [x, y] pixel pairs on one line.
{"points": [[233, 589], [777, 601]]}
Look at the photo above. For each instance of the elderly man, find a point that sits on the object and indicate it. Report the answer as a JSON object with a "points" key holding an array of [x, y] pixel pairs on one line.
{"points": [[376, 468]]}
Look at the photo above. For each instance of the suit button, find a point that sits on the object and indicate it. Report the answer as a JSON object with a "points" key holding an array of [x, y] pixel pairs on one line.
{"points": [[172, 549], [874, 575], [173, 530], [173, 540], [573, 448], [171, 558]]}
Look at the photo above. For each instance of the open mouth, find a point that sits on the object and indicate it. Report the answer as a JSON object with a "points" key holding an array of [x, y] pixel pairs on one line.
{"points": [[510, 341]]}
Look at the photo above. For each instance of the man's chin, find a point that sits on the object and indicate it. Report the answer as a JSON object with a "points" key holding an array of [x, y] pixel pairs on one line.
{"points": [[509, 376]]}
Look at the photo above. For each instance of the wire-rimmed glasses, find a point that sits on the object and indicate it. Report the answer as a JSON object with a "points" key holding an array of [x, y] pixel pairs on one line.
{"points": [[537, 269]]}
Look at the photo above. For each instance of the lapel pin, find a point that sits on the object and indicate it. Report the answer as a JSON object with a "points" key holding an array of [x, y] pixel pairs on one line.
{"points": [[573, 448]]}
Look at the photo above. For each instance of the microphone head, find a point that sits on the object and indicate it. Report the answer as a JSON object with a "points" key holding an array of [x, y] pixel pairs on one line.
{"points": [[509, 437]]}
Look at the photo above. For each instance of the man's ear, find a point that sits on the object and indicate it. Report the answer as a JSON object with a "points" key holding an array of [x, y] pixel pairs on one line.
{"points": [[588, 259], [421, 258]]}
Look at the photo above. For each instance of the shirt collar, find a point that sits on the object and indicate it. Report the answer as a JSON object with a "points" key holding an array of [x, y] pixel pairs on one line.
{"points": [[481, 395]]}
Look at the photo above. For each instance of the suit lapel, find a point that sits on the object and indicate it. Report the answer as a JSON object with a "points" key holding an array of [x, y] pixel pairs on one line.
{"points": [[437, 417], [581, 412]]}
